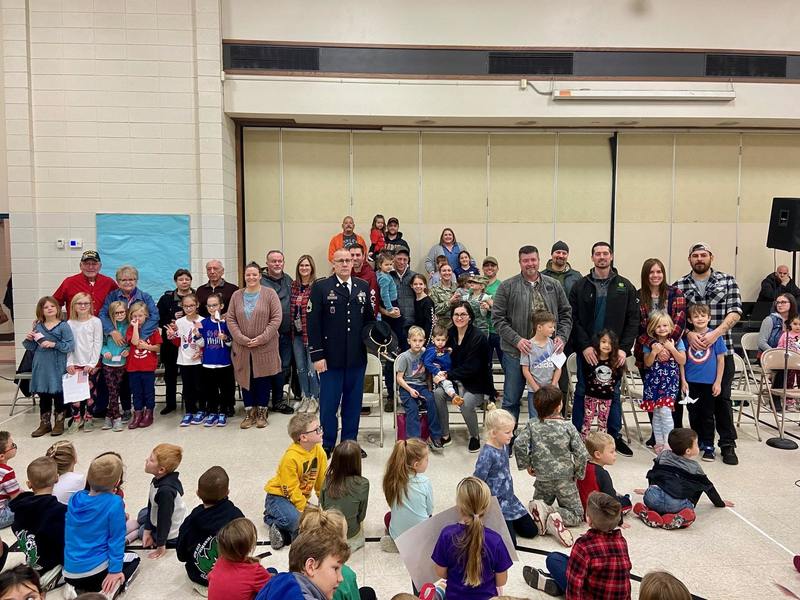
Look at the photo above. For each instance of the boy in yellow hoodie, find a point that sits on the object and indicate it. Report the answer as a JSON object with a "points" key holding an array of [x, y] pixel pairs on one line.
{"points": [[301, 470]]}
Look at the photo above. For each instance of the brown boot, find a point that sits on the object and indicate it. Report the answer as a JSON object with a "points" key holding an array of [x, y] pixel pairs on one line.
{"points": [[261, 417], [249, 418], [58, 425], [136, 421], [44, 426]]}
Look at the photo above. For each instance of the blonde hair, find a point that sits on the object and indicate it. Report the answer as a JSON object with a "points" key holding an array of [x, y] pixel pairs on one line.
{"points": [[73, 310], [168, 456], [65, 455], [597, 441], [417, 331], [472, 500], [138, 307], [299, 423], [495, 419], [114, 307], [660, 585], [237, 540], [127, 270], [315, 519], [658, 317], [104, 473], [42, 473], [400, 467]]}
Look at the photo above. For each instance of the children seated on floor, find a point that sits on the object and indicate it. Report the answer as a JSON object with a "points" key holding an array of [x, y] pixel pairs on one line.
{"points": [[408, 491], [9, 486], [602, 453], [69, 482], [660, 585], [236, 574], [347, 491]]}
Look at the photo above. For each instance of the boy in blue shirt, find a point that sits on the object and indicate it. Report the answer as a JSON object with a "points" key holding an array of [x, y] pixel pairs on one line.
{"points": [[703, 380]]}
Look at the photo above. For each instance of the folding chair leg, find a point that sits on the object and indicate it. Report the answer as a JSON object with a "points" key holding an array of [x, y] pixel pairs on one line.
{"points": [[625, 425], [636, 421]]}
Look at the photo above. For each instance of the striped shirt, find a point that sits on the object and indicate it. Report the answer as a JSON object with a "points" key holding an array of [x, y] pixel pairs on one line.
{"points": [[722, 296], [8, 484]]}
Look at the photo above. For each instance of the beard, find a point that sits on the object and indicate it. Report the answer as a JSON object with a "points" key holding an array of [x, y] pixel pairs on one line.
{"points": [[701, 268]]}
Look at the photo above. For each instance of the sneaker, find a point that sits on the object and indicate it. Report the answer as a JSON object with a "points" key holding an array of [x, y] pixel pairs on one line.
{"points": [[540, 510], [211, 420], [555, 527], [198, 418], [74, 425], [107, 424], [126, 416], [539, 580], [650, 518], [436, 445], [118, 425], [446, 441], [708, 455], [388, 545], [313, 406], [88, 424], [297, 403], [275, 537], [222, 420], [679, 521], [283, 408], [474, 444], [622, 447], [186, 420], [729, 456], [640, 510]]}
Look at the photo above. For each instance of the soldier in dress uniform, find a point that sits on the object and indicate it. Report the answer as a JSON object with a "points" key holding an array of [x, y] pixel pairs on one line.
{"points": [[338, 310]]}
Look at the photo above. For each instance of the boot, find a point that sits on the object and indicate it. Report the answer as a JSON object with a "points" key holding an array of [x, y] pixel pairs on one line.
{"points": [[249, 418], [261, 417], [58, 426], [147, 418], [44, 426], [136, 421]]}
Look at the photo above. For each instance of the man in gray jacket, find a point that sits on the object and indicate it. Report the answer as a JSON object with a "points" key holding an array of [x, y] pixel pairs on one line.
{"points": [[273, 276], [514, 303]]}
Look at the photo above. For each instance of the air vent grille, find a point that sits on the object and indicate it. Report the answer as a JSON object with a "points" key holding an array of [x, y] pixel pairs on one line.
{"points": [[530, 63], [273, 58], [745, 65]]}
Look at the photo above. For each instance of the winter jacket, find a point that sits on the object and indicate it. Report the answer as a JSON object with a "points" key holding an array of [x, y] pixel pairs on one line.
{"points": [[511, 311], [682, 478], [197, 538], [282, 287], [622, 311], [405, 296], [165, 508], [771, 288], [290, 586], [567, 278], [39, 527], [471, 361], [94, 534]]}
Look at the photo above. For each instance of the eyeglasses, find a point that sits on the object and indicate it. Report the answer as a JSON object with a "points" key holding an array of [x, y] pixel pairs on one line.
{"points": [[126, 280], [83, 304], [318, 429], [781, 302], [460, 315], [13, 446]]}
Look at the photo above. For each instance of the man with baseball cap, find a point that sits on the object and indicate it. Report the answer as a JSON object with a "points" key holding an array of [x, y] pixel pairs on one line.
{"points": [[394, 238], [490, 269], [89, 280], [558, 268], [720, 291]]}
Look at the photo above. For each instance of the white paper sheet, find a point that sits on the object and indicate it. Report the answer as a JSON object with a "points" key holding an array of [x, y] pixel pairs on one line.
{"points": [[416, 545], [559, 359], [76, 387]]}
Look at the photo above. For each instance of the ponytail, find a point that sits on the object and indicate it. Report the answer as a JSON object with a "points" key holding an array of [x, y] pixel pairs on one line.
{"points": [[400, 467], [472, 499]]}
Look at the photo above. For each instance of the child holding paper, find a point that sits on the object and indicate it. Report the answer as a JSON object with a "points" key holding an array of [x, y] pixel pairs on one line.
{"points": [[87, 330], [537, 366]]}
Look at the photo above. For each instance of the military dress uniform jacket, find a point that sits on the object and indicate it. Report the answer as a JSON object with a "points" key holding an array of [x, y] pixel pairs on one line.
{"points": [[335, 321]]}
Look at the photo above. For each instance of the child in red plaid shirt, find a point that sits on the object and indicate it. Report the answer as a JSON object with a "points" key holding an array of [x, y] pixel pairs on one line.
{"points": [[599, 566]]}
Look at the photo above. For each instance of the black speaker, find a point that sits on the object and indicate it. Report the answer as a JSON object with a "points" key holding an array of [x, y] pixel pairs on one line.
{"points": [[784, 225]]}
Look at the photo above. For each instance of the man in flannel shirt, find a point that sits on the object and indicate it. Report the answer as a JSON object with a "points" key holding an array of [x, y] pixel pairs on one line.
{"points": [[704, 285], [599, 565]]}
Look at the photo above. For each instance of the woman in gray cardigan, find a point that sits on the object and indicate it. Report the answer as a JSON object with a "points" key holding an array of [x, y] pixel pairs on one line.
{"points": [[253, 318], [448, 246]]}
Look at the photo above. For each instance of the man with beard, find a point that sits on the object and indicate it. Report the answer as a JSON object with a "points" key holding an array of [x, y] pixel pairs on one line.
{"points": [[347, 239], [393, 238], [720, 291], [273, 276], [558, 267], [602, 300]]}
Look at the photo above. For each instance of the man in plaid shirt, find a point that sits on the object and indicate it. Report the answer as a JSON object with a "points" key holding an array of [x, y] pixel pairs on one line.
{"points": [[704, 285], [598, 567]]}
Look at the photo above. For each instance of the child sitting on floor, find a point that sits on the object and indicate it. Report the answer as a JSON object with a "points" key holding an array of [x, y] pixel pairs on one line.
{"points": [[236, 574], [660, 585], [602, 452], [676, 482], [551, 449]]}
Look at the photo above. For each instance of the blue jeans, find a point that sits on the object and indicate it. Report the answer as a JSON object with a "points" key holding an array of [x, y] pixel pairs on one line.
{"points": [[306, 374], [345, 387], [277, 381], [513, 385], [281, 512], [660, 501], [494, 346], [143, 388], [6, 517], [411, 408], [556, 564], [532, 412], [578, 412]]}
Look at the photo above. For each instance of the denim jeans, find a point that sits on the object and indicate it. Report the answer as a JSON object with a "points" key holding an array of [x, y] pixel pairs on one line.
{"points": [[143, 388], [279, 379], [532, 412], [411, 408], [281, 512], [614, 413], [494, 346], [556, 564], [660, 501], [306, 374], [513, 385]]}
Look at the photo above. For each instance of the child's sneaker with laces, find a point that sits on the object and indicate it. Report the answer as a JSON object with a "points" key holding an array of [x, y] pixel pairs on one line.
{"points": [[556, 528], [118, 425], [211, 420], [186, 420], [198, 418], [708, 455], [88, 424], [539, 580], [126, 416], [107, 424], [222, 420], [682, 520], [539, 512]]}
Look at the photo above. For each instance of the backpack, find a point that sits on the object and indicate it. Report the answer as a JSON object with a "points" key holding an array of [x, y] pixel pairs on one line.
{"points": [[777, 329]]}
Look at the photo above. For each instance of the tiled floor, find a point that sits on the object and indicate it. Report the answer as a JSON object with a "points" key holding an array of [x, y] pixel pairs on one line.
{"points": [[727, 554]]}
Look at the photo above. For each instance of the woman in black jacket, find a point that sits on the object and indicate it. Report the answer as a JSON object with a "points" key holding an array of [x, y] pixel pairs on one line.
{"points": [[470, 373]]}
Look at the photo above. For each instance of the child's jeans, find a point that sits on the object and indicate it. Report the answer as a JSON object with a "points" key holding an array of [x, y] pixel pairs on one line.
{"points": [[6, 517], [411, 408], [281, 512], [662, 424], [595, 407], [532, 414], [661, 502], [556, 564], [143, 389]]}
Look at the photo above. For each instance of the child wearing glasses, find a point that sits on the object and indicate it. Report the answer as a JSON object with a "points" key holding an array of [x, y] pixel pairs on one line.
{"points": [[87, 330], [114, 358], [301, 470]]}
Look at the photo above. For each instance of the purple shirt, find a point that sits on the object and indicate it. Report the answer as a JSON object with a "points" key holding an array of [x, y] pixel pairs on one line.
{"points": [[495, 560]]}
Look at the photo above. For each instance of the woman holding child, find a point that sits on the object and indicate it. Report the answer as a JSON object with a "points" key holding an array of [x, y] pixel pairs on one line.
{"points": [[470, 373], [444, 295]]}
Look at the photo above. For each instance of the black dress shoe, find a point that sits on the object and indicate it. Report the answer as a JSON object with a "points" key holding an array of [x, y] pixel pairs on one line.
{"points": [[167, 409], [729, 456], [622, 447], [283, 408], [388, 406]]}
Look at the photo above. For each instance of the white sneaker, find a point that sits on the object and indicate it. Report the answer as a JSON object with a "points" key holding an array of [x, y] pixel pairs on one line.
{"points": [[296, 403], [388, 545], [556, 528], [313, 405], [540, 510], [302, 405]]}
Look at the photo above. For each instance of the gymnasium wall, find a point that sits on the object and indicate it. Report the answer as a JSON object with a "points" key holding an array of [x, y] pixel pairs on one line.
{"points": [[499, 191]]}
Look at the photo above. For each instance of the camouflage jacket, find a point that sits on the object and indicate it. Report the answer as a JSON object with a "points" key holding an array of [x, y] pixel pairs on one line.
{"points": [[552, 448]]}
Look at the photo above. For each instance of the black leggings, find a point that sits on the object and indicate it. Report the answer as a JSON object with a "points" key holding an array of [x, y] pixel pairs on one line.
{"points": [[523, 527], [220, 387], [46, 402], [94, 583], [192, 394]]}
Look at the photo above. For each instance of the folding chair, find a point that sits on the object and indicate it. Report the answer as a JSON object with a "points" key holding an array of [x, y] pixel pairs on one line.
{"points": [[374, 399], [572, 370], [743, 393], [749, 351], [773, 360], [632, 391]]}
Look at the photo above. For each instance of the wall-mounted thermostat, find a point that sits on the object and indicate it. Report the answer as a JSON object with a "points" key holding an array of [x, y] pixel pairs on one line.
{"points": [[76, 243]]}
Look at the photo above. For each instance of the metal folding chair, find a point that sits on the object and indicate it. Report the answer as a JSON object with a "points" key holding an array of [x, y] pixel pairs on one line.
{"points": [[374, 398], [572, 371], [742, 392], [750, 350], [632, 388], [773, 361]]}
